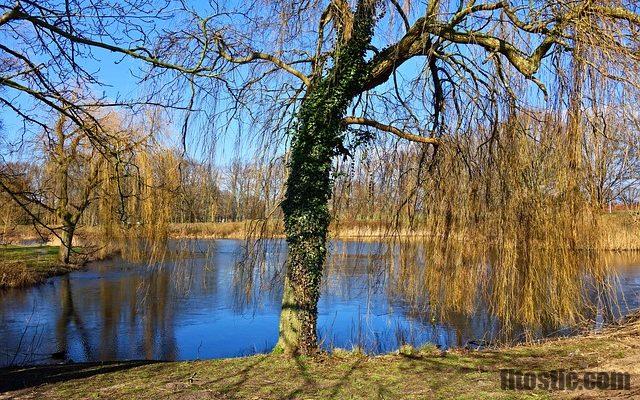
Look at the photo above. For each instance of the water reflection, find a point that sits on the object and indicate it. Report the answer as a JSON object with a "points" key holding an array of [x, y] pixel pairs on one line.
{"points": [[375, 295]]}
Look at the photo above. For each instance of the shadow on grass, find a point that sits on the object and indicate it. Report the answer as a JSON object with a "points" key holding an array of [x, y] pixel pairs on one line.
{"points": [[243, 375], [17, 378], [298, 377]]}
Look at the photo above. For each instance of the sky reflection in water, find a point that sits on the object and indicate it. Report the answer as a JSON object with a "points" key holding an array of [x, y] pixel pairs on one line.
{"points": [[207, 307]]}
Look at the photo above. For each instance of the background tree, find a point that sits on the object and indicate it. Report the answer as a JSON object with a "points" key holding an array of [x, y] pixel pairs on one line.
{"points": [[11, 214], [48, 67], [75, 173], [69, 181]]}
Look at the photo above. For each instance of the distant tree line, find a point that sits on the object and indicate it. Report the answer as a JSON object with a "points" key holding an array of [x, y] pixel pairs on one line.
{"points": [[379, 182]]}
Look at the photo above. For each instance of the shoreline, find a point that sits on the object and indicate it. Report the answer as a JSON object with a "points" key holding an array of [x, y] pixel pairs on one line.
{"points": [[24, 266], [620, 231], [29, 269], [407, 373]]}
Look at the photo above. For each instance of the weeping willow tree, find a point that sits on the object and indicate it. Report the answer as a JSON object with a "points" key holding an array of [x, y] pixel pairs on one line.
{"points": [[135, 223], [73, 178], [449, 89], [141, 194], [343, 71], [65, 186], [46, 48], [499, 231]]}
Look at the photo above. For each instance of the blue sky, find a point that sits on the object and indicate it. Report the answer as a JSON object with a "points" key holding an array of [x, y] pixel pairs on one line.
{"points": [[117, 74]]}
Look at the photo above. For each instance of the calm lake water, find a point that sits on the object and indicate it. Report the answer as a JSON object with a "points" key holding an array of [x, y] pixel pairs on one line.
{"points": [[208, 307]]}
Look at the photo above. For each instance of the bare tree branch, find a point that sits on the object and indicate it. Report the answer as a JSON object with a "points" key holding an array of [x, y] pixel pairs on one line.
{"points": [[256, 55], [391, 129]]}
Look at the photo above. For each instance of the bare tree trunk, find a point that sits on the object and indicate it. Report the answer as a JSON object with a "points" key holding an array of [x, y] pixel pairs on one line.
{"points": [[66, 242]]}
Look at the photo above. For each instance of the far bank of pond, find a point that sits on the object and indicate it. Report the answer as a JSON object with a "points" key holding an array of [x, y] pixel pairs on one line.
{"points": [[620, 231]]}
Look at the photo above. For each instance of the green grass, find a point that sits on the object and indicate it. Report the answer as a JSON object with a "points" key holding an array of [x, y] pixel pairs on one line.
{"points": [[28, 265], [411, 374], [34, 256]]}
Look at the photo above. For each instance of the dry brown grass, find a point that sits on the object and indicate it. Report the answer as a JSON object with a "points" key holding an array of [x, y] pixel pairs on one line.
{"points": [[215, 230], [362, 230], [620, 231], [16, 274]]}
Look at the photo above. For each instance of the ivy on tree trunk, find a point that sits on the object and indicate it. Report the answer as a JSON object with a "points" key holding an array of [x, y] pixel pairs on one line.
{"points": [[315, 141]]}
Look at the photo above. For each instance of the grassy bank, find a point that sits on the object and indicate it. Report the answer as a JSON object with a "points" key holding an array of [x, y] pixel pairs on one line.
{"points": [[411, 374], [28, 265], [619, 230]]}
